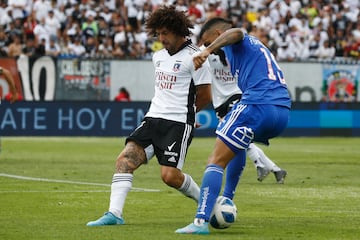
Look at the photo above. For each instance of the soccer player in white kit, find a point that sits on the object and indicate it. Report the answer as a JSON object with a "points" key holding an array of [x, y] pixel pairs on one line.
{"points": [[225, 93], [167, 128]]}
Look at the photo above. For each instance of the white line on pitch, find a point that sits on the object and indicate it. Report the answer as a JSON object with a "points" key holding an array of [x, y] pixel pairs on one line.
{"points": [[71, 182], [54, 191]]}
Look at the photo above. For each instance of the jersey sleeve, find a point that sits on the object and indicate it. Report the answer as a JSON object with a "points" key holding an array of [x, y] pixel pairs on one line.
{"points": [[201, 75]]}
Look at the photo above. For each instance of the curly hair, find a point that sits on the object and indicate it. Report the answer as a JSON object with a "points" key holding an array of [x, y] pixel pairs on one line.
{"points": [[168, 17]]}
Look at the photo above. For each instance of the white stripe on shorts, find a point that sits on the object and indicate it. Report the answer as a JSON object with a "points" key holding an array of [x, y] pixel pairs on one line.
{"points": [[184, 146], [234, 115]]}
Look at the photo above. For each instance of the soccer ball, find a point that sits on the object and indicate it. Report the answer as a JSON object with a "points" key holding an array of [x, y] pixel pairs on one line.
{"points": [[223, 214]]}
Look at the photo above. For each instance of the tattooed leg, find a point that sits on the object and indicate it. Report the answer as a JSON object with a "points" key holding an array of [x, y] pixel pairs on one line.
{"points": [[130, 158]]}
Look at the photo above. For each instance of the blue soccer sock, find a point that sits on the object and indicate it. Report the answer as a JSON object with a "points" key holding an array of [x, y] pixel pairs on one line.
{"points": [[209, 190], [233, 173]]}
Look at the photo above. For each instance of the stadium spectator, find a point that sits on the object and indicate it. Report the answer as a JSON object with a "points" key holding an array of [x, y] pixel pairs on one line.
{"points": [[76, 48], [40, 49], [325, 51], [107, 50], [29, 48], [71, 30], [132, 8], [111, 4], [181, 5], [213, 9], [52, 48], [136, 51], [3, 43], [339, 42], [41, 31], [15, 28], [29, 25], [352, 50], [309, 18], [143, 14], [285, 53], [52, 24], [202, 8], [90, 26], [59, 13], [194, 11], [123, 95], [103, 29], [18, 8], [163, 133], [41, 9], [301, 48], [106, 13], [123, 38], [117, 18], [15, 47], [76, 13], [5, 14], [118, 52], [259, 31], [314, 44]]}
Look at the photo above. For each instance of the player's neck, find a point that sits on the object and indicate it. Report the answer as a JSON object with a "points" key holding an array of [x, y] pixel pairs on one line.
{"points": [[182, 43]]}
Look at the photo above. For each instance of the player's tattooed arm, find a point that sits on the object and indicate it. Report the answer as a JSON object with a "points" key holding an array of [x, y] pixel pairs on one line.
{"points": [[130, 158], [231, 36]]}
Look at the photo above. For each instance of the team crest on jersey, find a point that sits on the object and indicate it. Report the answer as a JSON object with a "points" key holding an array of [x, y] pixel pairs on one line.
{"points": [[157, 64], [176, 67]]}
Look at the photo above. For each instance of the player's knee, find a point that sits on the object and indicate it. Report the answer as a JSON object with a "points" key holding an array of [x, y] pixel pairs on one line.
{"points": [[167, 179], [172, 177]]}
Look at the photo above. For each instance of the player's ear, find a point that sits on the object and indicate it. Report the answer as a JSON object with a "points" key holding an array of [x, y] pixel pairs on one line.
{"points": [[219, 32]]}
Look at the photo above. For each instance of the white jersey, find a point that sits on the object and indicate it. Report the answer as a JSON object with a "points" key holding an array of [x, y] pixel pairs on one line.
{"points": [[175, 81], [224, 84]]}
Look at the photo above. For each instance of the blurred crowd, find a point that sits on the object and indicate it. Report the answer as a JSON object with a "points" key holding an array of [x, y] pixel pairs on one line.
{"points": [[294, 30]]}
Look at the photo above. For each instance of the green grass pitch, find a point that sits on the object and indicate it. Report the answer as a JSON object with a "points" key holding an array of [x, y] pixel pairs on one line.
{"points": [[50, 187]]}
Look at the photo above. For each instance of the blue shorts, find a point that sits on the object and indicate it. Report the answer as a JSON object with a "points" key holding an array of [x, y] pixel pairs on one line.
{"points": [[252, 123]]}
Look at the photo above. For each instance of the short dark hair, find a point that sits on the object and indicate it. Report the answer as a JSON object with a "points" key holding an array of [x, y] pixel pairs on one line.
{"points": [[168, 17], [215, 22]]}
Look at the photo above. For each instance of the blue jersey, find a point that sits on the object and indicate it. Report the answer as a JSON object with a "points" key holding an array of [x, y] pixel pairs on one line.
{"points": [[259, 76]]}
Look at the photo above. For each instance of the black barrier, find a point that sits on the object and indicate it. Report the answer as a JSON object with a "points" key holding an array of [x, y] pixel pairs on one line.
{"points": [[102, 118]]}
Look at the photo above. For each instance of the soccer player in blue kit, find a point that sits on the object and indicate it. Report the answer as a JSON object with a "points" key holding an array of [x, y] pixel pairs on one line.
{"points": [[261, 114]]}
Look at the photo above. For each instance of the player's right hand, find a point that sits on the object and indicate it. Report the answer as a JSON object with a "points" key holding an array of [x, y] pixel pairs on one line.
{"points": [[200, 58]]}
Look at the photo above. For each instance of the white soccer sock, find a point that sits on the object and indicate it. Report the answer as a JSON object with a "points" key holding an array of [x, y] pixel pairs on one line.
{"points": [[189, 188], [265, 161], [254, 155], [121, 185]]}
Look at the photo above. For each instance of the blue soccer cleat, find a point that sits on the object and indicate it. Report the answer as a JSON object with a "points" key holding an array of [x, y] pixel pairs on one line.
{"points": [[107, 219], [194, 229]]}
